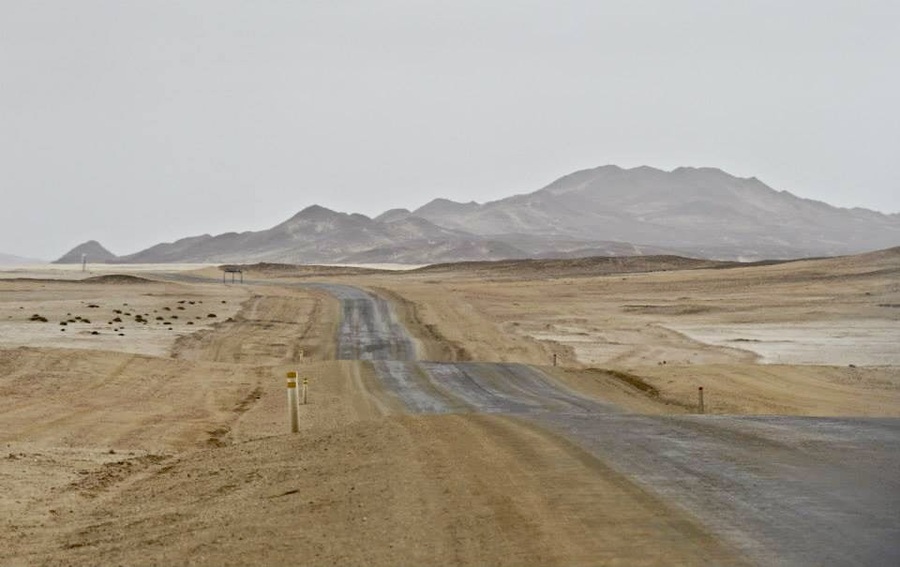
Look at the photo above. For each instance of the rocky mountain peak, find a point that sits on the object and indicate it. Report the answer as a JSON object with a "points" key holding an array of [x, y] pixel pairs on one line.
{"points": [[393, 215], [314, 213], [445, 206]]}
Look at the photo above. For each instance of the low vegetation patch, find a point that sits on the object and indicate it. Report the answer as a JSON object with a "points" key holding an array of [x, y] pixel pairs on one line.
{"points": [[118, 279]]}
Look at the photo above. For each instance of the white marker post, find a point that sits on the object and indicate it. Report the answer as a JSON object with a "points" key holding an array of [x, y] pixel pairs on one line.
{"points": [[305, 382], [700, 405], [292, 401]]}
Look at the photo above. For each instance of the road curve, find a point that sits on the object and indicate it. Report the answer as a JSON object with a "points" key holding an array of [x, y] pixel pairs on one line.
{"points": [[782, 490]]}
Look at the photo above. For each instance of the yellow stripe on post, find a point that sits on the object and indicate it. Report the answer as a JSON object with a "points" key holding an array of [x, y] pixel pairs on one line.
{"points": [[292, 401]]}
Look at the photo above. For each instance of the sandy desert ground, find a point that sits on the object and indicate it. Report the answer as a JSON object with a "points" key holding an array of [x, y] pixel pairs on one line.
{"points": [[151, 443]]}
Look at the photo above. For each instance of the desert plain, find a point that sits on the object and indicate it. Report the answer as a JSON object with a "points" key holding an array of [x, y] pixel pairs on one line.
{"points": [[143, 417]]}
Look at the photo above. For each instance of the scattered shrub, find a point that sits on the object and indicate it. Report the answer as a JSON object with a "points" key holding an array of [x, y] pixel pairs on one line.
{"points": [[37, 317]]}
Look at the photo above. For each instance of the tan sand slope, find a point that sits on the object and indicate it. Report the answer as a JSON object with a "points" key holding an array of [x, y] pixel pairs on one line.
{"points": [[146, 450]]}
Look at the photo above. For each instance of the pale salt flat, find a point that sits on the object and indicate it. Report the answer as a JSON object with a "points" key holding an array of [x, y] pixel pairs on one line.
{"points": [[860, 342], [74, 272]]}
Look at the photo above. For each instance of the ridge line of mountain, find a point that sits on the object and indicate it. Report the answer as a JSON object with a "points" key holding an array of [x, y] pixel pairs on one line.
{"points": [[607, 210]]}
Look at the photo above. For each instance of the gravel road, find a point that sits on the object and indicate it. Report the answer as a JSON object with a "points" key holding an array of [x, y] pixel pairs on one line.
{"points": [[782, 490], [368, 329]]}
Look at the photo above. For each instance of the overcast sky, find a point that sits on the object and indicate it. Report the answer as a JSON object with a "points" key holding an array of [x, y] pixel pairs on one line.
{"points": [[138, 122]]}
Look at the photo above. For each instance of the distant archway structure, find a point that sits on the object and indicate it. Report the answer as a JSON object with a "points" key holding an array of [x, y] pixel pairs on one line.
{"points": [[232, 270]]}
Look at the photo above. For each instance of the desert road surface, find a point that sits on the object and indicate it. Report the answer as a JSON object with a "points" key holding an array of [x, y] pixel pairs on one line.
{"points": [[779, 490]]}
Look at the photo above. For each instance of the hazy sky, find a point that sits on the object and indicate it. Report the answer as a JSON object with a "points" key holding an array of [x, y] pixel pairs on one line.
{"points": [[139, 122]]}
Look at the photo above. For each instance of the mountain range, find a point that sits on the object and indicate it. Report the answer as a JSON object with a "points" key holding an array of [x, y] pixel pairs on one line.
{"points": [[605, 211]]}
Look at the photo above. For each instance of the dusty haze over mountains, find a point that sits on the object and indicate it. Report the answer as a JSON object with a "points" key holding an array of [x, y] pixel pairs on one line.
{"points": [[603, 211], [133, 123]]}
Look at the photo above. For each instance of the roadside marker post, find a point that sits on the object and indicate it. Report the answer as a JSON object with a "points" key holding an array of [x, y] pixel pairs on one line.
{"points": [[700, 405], [554, 359], [292, 401], [305, 383]]}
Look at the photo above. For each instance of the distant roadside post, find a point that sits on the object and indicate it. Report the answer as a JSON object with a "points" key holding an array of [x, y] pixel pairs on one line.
{"points": [[700, 406], [293, 410]]}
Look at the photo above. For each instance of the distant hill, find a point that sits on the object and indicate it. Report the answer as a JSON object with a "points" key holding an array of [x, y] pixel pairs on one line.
{"points": [[606, 211], [92, 250], [585, 266]]}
